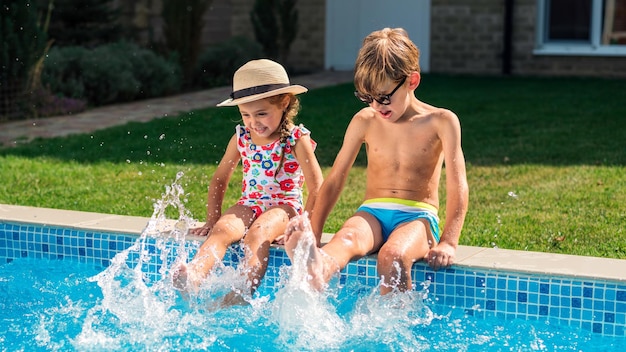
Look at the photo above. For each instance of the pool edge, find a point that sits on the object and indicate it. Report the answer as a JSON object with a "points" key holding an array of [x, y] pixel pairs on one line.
{"points": [[467, 256]]}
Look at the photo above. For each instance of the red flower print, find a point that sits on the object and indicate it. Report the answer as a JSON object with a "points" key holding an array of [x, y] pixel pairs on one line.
{"points": [[286, 185], [268, 146], [269, 173], [257, 210], [291, 166], [275, 157], [246, 166], [255, 195]]}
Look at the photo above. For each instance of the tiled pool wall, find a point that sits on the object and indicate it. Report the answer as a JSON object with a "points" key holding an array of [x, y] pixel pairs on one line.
{"points": [[593, 305]]}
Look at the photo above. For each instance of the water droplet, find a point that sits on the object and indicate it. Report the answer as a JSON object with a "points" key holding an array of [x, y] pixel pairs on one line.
{"points": [[162, 137]]}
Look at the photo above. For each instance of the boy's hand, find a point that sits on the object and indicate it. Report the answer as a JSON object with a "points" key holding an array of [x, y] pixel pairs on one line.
{"points": [[441, 256]]}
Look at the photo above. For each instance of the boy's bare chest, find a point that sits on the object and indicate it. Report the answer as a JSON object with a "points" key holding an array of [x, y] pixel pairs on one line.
{"points": [[402, 141]]}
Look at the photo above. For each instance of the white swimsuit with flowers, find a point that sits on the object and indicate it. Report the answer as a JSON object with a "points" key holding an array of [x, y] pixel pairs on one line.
{"points": [[264, 184]]}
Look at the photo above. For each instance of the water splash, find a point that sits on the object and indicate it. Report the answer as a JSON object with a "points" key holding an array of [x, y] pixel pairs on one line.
{"points": [[144, 311]]}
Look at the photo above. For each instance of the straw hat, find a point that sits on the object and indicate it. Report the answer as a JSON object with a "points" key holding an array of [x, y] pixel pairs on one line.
{"points": [[260, 79]]}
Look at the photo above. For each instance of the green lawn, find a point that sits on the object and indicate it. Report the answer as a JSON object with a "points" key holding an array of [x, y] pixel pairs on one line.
{"points": [[546, 161]]}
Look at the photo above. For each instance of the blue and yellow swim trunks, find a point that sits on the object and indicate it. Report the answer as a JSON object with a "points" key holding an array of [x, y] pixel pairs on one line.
{"points": [[391, 212]]}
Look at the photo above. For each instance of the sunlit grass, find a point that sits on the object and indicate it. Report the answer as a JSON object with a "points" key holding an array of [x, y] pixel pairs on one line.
{"points": [[546, 161]]}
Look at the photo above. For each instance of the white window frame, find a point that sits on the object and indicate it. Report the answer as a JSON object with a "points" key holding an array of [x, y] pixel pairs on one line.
{"points": [[594, 47]]}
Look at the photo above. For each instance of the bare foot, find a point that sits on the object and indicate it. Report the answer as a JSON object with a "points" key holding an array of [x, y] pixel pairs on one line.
{"points": [[301, 247], [233, 299], [183, 280]]}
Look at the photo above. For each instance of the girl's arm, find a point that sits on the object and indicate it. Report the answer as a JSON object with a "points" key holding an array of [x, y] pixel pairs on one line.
{"points": [[218, 185], [311, 168]]}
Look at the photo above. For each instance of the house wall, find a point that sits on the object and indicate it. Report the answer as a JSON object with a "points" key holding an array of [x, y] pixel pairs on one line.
{"points": [[467, 37]]}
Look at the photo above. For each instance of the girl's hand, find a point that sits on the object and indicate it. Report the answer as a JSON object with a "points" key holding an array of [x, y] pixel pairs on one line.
{"points": [[201, 231]]}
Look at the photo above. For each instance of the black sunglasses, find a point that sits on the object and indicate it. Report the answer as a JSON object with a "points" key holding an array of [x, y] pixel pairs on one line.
{"points": [[383, 99]]}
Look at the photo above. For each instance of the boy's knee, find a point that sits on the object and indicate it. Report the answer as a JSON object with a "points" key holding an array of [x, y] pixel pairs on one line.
{"points": [[388, 254]]}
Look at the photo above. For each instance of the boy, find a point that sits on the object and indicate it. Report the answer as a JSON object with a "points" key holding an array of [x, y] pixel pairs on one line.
{"points": [[407, 143]]}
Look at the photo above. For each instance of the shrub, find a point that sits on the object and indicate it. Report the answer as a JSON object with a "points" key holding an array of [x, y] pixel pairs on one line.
{"points": [[217, 63], [183, 22], [157, 76], [22, 43], [84, 22], [109, 73], [42, 103], [275, 24]]}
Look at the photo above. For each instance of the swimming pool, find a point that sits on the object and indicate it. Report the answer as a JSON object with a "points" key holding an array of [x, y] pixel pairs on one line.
{"points": [[488, 290]]}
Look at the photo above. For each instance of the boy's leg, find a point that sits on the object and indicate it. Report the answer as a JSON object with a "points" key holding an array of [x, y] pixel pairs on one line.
{"points": [[359, 236], [228, 229], [408, 243]]}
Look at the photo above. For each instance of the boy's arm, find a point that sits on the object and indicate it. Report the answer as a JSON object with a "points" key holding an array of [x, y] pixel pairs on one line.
{"points": [[457, 191], [313, 176], [218, 185], [333, 184]]}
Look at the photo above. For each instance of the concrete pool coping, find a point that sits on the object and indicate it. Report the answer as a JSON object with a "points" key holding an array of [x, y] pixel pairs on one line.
{"points": [[467, 256]]}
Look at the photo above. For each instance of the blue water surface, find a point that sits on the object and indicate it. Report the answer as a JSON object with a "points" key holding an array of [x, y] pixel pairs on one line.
{"points": [[61, 305]]}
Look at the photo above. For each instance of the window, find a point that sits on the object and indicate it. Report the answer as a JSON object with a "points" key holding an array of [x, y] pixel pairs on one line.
{"points": [[581, 27]]}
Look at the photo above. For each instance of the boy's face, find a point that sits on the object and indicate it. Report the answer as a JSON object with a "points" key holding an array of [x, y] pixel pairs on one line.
{"points": [[383, 99], [386, 104]]}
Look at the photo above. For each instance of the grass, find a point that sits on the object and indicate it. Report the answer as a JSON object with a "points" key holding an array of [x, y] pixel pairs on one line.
{"points": [[546, 161]]}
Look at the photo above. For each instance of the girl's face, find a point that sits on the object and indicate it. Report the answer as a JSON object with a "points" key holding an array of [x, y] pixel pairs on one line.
{"points": [[263, 119]]}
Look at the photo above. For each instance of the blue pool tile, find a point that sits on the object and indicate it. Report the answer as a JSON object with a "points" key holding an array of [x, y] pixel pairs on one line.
{"points": [[597, 327], [621, 296], [544, 288], [522, 297], [543, 310], [609, 317], [587, 292], [576, 303], [480, 282]]}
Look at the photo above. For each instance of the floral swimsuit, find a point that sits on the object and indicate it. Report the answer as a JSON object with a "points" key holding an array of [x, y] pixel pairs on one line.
{"points": [[271, 174]]}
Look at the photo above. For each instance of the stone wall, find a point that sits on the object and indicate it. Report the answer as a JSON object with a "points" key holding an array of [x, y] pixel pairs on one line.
{"points": [[228, 18], [307, 50], [467, 37]]}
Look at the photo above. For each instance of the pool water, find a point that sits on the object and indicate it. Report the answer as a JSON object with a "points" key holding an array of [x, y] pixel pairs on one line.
{"points": [[68, 289], [61, 305]]}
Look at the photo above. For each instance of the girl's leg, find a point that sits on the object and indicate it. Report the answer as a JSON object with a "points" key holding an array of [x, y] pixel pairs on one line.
{"points": [[256, 243], [228, 229], [407, 244]]}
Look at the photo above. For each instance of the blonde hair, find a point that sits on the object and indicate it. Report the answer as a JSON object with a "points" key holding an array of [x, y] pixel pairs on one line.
{"points": [[387, 54], [289, 114]]}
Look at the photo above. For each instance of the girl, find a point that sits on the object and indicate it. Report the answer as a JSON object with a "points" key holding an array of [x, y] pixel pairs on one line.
{"points": [[276, 156]]}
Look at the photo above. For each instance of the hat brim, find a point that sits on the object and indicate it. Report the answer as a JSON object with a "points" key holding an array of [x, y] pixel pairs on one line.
{"points": [[294, 89]]}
